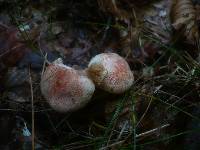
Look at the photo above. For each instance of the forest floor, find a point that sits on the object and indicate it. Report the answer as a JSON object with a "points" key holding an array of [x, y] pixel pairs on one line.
{"points": [[158, 39]]}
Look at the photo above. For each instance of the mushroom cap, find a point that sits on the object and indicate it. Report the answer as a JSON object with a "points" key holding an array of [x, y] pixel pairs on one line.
{"points": [[66, 89], [110, 72]]}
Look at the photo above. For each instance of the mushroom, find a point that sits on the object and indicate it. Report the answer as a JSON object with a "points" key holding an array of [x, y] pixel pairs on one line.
{"points": [[110, 72], [65, 88]]}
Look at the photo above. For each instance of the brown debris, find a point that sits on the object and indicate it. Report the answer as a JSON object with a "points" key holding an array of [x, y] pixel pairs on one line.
{"points": [[183, 15]]}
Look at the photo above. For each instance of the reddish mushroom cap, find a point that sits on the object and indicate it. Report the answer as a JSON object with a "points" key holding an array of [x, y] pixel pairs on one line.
{"points": [[111, 72], [64, 88]]}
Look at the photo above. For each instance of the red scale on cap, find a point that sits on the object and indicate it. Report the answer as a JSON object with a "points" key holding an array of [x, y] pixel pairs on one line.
{"points": [[62, 83]]}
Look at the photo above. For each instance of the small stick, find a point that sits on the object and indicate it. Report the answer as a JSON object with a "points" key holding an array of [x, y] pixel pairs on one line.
{"points": [[137, 136], [32, 113], [152, 131]]}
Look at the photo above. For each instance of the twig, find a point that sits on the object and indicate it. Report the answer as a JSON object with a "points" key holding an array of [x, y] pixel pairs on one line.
{"points": [[152, 131], [17, 110], [32, 113], [137, 136]]}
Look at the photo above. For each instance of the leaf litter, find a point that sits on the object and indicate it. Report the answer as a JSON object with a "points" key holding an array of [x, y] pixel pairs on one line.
{"points": [[160, 41]]}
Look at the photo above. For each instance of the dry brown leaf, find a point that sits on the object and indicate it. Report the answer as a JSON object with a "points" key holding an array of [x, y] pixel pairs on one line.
{"points": [[183, 15]]}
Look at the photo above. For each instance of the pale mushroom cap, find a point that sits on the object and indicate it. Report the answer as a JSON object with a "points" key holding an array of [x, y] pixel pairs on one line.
{"points": [[111, 73], [65, 89]]}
